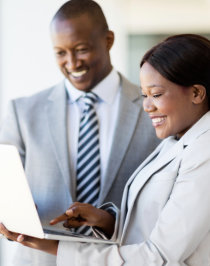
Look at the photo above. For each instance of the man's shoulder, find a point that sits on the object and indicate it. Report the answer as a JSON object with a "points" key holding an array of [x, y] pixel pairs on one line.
{"points": [[129, 89], [126, 83], [42, 95]]}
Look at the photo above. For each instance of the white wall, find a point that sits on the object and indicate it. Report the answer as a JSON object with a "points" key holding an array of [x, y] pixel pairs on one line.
{"points": [[27, 60], [163, 16]]}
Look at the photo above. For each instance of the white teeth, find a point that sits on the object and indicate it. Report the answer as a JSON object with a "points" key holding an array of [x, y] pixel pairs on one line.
{"points": [[78, 74], [157, 120]]}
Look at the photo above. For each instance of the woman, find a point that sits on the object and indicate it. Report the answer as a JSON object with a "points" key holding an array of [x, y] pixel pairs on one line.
{"points": [[165, 214]]}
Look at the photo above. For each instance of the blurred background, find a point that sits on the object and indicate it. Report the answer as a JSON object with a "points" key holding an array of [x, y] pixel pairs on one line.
{"points": [[27, 62]]}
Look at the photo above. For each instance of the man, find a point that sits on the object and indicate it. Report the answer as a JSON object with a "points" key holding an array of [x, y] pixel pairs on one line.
{"points": [[45, 127]]}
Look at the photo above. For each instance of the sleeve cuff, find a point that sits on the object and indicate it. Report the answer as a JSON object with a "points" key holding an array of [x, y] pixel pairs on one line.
{"points": [[113, 210]]}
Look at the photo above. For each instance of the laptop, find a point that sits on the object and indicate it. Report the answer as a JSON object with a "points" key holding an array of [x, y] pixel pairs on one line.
{"points": [[18, 212]]}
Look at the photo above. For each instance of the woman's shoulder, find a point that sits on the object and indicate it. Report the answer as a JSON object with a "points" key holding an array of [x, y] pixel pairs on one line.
{"points": [[198, 151]]}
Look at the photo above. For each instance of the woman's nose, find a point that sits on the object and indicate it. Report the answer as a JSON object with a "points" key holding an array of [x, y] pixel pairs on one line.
{"points": [[148, 105]]}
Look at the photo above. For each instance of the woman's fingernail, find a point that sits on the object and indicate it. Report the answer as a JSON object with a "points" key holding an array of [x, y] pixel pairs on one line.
{"points": [[20, 238], [69, 212]]}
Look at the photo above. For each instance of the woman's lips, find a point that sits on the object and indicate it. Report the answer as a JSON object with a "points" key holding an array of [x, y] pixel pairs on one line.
{"points": [[158, 121]]}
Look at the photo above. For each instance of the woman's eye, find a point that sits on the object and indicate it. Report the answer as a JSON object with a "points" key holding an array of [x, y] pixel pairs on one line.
{"points": [[157, 95], [144, 95]]}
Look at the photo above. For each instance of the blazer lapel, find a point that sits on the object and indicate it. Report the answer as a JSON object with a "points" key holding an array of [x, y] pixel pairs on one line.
{"points": [[145, 174], [127, 186], [126, 121], [56, 117]]}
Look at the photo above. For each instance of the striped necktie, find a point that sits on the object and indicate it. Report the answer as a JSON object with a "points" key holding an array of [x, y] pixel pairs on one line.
{"points": [[88, 158]]}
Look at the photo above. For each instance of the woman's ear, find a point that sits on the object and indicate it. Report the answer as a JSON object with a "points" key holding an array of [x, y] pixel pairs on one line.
{"points": [[199, 93]]}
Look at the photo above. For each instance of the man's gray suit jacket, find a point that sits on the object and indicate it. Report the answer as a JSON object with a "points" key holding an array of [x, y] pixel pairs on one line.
{"points": [[37, 126]]}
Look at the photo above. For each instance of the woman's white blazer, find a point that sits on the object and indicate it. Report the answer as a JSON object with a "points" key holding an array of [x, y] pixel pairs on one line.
{"points": [[165, 211]]}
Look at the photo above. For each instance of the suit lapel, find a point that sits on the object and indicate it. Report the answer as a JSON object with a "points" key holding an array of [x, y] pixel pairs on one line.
{"points": [[145, 174], [126, 121], [56, 117], [127, 186]]}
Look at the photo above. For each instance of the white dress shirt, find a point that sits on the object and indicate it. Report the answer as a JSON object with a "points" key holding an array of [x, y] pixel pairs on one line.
{"points": [[108, 91]]}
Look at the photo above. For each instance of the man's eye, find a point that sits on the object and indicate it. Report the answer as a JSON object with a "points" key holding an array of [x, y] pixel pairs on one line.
{"points": [[82, 50], [60, 53]]}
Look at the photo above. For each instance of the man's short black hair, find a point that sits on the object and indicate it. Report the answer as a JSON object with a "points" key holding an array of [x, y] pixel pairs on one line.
{"points": [[76, 8]]}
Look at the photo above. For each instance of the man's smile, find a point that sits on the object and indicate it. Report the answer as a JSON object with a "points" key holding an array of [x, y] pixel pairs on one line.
{"points": [[77, 74]]}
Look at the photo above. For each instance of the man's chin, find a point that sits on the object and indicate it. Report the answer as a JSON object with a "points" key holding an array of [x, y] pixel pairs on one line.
{"points": [[81, 86]]}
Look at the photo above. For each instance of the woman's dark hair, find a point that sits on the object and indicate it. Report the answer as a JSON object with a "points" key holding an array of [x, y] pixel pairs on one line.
{"points": [[183, 59]]}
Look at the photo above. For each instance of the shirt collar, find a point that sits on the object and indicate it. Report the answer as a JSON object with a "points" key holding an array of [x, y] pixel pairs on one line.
{"points": [[106, 89]]}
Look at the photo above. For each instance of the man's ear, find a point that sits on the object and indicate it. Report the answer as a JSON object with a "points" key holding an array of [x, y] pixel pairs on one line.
{"points": [[109, 39], [199, 93]]}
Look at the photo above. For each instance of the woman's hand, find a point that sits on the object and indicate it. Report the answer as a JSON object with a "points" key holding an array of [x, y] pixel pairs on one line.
{"points": [[85, 214], [49, 246]]}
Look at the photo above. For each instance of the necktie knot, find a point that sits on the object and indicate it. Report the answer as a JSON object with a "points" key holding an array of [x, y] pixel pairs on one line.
{"points": [[89, 99]]}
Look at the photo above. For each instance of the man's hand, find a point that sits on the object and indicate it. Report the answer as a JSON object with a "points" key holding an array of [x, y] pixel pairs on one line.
{"points": [[85, 214], [49, 246]]}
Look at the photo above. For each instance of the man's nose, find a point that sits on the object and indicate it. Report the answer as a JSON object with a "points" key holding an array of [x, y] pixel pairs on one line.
{"points": [[72, 62], [148, 105]]}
